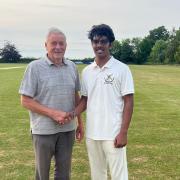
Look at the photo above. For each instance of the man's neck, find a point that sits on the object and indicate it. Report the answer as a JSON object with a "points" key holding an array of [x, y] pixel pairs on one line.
{"points": [[102, 61], [57, 62]]}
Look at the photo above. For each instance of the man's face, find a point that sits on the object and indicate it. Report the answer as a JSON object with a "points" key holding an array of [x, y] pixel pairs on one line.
{"points": [[101, 46], [56, 46]]}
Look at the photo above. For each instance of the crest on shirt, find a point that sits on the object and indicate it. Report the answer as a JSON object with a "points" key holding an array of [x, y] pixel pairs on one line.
{"points": [[108, 79]]}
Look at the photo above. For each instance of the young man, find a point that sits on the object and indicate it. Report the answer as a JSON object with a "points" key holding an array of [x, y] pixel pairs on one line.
{"points": [[48, 90], [107, 92]]}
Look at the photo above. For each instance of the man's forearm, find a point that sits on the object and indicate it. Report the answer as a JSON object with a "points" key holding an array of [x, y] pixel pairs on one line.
{"points": [[81, 106], [30, 104], [127, 113], [77, 101], [35, 106]]}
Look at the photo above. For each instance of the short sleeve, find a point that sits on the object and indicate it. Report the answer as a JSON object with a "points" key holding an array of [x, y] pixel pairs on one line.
{"points": [[127, 84], [29, 82], [84, 85]]}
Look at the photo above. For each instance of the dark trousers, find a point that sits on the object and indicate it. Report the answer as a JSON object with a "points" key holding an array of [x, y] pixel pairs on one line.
{"points": [[58, 145]]}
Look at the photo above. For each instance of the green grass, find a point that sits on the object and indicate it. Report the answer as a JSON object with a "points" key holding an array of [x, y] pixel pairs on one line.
{"points": [[3, 65], [154, 134]]}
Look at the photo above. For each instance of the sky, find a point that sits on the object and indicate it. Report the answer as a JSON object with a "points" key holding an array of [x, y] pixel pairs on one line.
{"points": [[25, 23]]}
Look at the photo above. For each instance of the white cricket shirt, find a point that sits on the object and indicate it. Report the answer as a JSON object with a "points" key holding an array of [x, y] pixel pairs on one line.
{"points": [[105, 88]]}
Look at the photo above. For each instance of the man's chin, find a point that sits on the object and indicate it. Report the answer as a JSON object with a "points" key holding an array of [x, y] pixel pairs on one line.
{"points": [[100, 55], [58, 57]]}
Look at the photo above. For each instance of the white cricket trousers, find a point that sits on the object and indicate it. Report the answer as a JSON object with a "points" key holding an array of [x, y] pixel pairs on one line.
{"points": [[102, 154]]}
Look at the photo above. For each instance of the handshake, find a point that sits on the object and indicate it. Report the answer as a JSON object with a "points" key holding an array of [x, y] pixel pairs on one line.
{"points": [[62, 117]]}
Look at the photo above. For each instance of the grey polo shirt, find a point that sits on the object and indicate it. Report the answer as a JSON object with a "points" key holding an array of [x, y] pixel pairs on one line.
{"points": [[53, 87]]}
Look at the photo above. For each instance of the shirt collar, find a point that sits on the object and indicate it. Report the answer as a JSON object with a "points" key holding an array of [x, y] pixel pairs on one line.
{"points": [[107, 65], [94, 64], [50, 63]]}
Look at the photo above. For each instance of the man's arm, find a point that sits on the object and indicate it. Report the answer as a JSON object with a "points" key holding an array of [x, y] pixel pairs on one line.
{"points": [[80, 129], [33, 105], [121, 138], [81, 106]]}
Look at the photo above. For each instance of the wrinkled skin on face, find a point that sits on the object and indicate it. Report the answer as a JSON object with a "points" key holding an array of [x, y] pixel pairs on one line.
{"points": [[56, 47]]}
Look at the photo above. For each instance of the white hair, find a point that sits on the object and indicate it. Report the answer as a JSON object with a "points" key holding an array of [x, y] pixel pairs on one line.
{"points": [[54, 30]]}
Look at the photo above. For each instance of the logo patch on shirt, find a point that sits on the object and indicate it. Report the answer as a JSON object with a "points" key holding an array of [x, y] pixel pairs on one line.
{"points": [[109, 79]]}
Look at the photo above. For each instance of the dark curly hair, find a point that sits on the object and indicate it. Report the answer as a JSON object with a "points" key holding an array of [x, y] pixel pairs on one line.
{"points": [[101, 30]]}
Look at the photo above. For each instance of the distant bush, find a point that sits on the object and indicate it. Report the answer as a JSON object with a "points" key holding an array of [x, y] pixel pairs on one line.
{"points": [[2, 61], [9, 53], [26, 60]]}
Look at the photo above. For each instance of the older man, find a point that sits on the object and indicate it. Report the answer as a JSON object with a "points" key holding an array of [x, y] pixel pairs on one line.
{"points": [[49, 90]]}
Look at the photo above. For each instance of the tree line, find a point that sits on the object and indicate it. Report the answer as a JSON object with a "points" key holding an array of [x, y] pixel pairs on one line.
{"points": [[160, 46]]}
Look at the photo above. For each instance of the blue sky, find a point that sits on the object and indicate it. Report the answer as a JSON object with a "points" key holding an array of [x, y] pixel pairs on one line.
{"points": [[25, 23]]}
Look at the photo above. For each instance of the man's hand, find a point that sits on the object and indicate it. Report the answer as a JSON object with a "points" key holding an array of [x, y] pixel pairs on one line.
{"points": [[80, 132], [71, 115], [120, 140], [61, 117]]}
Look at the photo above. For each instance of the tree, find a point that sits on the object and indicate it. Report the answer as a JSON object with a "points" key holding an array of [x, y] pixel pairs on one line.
{"points": [[177, 55], [148, 42], [144, 50], [157, 54], [135, 42], [159, 33], [9, 53], [127, 54], [116, 49], [173, 47]]}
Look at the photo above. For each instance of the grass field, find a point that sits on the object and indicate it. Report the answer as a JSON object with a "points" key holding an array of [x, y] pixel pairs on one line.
{"points": [[154, 136]]}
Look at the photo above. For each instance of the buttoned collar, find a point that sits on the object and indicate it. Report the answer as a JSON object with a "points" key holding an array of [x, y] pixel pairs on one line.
{"points": [[50, 63], [107, 65]]}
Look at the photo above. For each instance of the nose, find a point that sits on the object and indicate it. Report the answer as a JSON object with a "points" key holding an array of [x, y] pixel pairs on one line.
{"points": [[99, 44], [58, 45]]}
